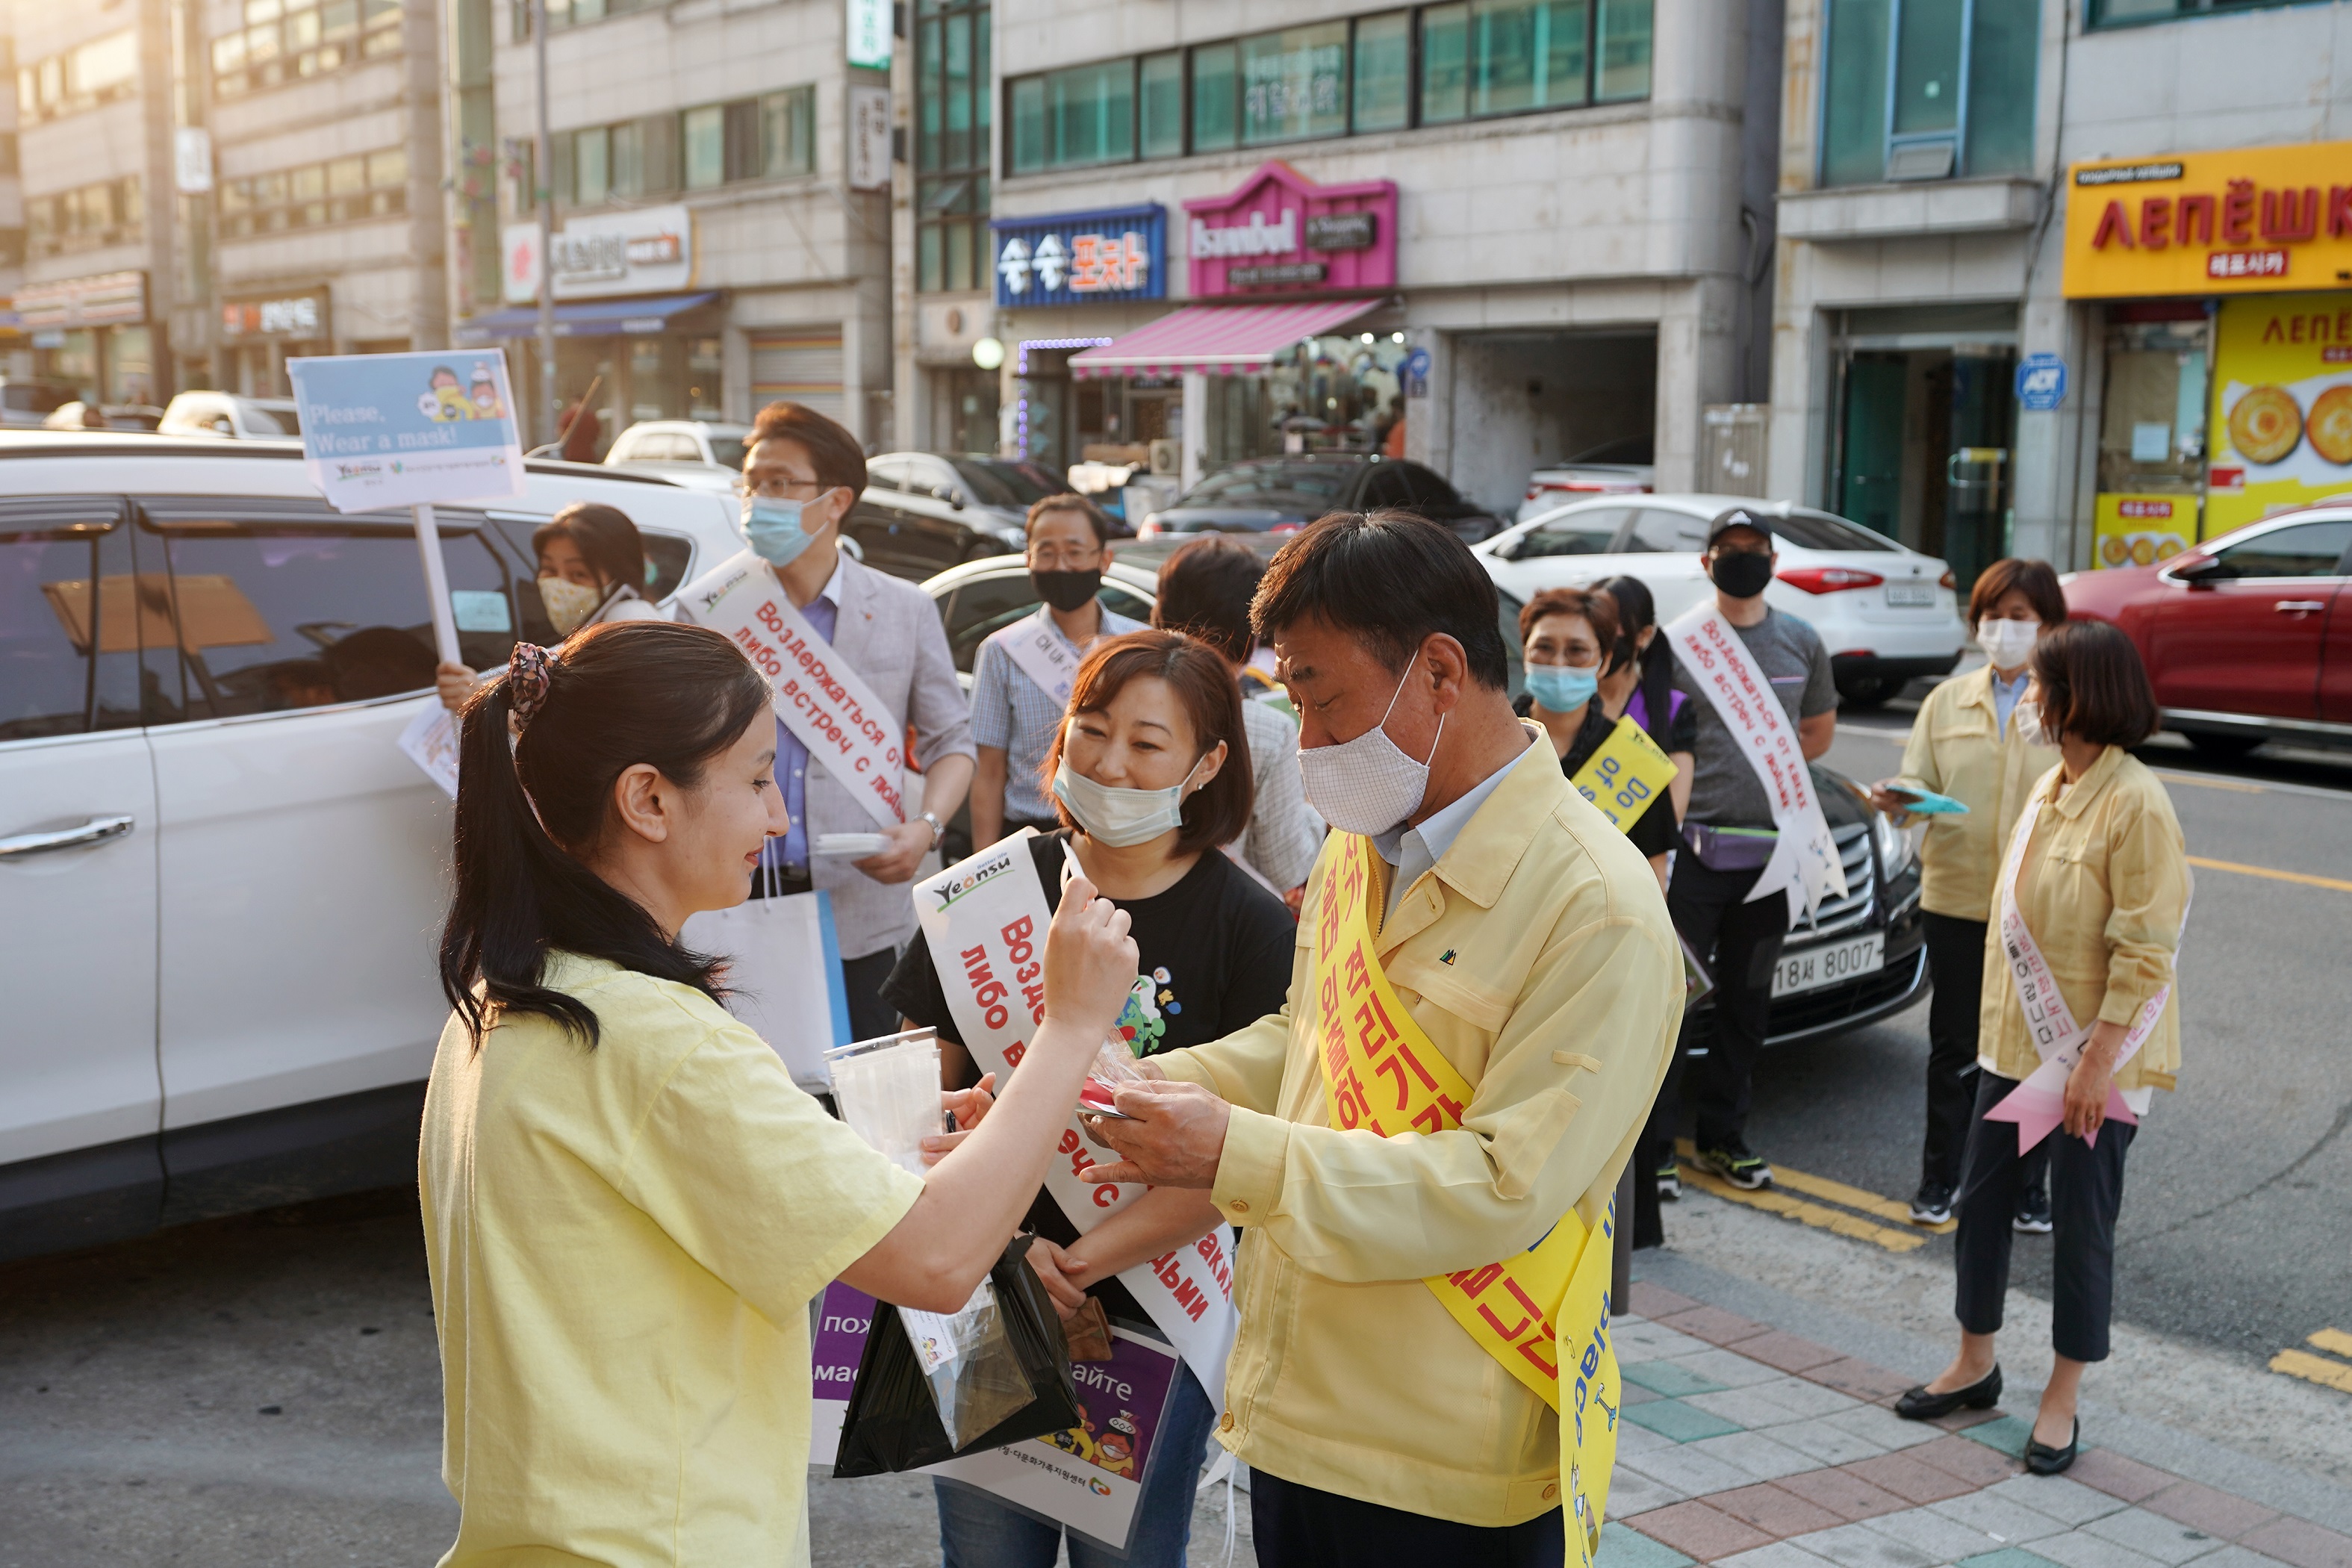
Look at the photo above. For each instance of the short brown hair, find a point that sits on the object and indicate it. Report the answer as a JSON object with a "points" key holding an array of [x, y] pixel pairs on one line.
{"points": [[2037, 580], [1217, 813], [1068, 500], [1595, 605], [2094, 686], [834, 452], [1204, 591]]}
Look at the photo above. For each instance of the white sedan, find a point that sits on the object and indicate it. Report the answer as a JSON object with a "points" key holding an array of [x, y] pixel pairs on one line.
{"points": [[1887, 614]]}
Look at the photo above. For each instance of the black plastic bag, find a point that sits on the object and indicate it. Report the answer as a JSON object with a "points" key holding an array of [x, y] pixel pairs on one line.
{"points": [[893, 1420]]}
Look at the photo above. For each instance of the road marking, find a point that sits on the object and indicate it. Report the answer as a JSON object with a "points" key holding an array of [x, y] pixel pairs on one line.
{"points": [[2304, 878], [2236, 786], [1910, 1239], [1852, 1198], [2334, 1340], [2313, 1369]]}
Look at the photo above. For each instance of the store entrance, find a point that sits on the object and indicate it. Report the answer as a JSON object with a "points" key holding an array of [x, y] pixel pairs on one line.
{"points": [[1924, 448]]}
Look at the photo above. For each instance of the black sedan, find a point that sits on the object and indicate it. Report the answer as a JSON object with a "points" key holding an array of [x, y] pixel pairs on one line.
{"points": [[1277, 495]]}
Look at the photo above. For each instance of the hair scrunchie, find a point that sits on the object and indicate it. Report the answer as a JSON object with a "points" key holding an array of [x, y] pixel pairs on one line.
{"points": [[529, 670]]}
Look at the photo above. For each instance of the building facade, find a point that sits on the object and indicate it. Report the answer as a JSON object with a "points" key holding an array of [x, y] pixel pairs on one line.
{"points": [[2033, 257], [1205, 232], [720, 176]]}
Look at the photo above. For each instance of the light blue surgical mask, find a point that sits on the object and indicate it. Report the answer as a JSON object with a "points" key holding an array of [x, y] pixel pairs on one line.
{"points": [[772, 525], [1562, 687]]}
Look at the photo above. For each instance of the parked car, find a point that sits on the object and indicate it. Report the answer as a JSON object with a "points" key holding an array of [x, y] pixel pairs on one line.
{"points": [[1615, 468], [230, 416], [923, 513], [701, 454], [80, 415], [24, 404], [2239, 634], [1886, 613], [219, 876], [1855, 959], [1277, 495]]}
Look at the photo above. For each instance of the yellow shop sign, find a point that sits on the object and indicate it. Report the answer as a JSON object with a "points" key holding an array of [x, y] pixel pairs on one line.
{"points": [[2281, 418], [2247, 221]]}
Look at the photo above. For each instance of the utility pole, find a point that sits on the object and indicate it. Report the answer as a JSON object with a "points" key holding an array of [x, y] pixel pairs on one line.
{"points": [[541, 163]]}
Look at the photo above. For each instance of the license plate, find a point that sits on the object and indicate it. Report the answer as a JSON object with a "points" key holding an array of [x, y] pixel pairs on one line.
{"points": [[1909, 595], [1829, 964]]}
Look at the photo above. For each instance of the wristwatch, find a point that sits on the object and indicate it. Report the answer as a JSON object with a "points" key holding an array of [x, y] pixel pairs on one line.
{"points": [[939, 829]]}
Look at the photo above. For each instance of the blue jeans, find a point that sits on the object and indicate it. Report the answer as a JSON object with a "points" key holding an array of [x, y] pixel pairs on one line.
{"points": [[978, 1530]]}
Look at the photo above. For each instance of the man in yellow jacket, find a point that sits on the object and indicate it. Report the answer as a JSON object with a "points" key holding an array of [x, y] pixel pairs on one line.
{"points": [[1420, 1149]]}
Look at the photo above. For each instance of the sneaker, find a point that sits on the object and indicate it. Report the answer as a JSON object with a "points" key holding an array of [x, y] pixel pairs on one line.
{"points": [[1670, 1181], [1933, 1206], [1732, 1162], [2032, 1214]]}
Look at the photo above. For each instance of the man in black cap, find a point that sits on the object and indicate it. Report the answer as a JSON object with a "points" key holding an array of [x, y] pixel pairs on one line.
{"points": [[1738, 936]]}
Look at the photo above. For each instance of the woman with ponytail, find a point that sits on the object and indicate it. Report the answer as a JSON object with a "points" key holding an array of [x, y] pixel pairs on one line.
{"points": [[628, 1204]]}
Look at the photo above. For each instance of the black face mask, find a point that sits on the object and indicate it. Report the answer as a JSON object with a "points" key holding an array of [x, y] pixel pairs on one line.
{"points": [[1066, 591], [1742, 574]]}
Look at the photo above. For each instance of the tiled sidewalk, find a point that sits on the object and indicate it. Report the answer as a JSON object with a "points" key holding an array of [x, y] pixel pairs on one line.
{"points": [[1748, 1446]]}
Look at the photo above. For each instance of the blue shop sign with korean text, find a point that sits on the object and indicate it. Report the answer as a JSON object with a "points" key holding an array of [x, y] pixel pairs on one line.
{"points": [[2040, 383], [1070, 258], [385, 430]]}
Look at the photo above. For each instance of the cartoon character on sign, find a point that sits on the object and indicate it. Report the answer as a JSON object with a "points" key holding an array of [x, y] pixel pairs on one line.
{"points": [[1078, 1441], [1116, 1452], [446, 400], [1140, 1022], [483, 393]]}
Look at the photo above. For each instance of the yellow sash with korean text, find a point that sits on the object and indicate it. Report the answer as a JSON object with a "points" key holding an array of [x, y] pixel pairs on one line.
{"points": [[1533, 1312], [1625, 775]]}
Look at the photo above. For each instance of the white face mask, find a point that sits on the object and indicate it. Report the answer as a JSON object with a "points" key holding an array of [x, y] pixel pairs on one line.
{"points": [[1118, 817], [1368, 784], [567, 603], [2025, 720], [2009, 643]]}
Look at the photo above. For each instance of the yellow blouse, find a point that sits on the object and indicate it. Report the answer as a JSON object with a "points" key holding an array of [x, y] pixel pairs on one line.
{"points": [[1958, 748], [2103, 889]]}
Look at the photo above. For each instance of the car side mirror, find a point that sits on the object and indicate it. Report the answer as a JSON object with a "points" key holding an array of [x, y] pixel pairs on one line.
{"points": [[1509, 549], [949, 494], [2204, 574]]}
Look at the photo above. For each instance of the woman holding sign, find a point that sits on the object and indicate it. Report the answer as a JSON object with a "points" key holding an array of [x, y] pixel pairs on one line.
{"points": [[628, 1203], [1149, 773], [2081, 1023], [591, 571]]}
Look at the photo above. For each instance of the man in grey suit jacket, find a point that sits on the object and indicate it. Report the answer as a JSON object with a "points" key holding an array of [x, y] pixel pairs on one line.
{"points": [[890, 632]]}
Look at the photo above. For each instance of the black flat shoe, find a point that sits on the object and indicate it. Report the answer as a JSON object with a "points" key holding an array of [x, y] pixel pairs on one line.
{"points": [[2044, 1460], [1919, 1405]]}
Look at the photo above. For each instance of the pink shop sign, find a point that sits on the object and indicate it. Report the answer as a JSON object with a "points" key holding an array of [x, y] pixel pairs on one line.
{"points": [[1283, 233]]}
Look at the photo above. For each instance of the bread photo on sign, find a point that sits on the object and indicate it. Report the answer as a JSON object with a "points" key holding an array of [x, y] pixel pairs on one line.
{"points": [[2330, 425], [2265, 425]]}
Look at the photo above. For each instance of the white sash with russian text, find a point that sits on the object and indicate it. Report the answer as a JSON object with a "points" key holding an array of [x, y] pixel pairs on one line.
{"points": [[1043, 655], [985, 920], [823, 702], [1805, 858]]}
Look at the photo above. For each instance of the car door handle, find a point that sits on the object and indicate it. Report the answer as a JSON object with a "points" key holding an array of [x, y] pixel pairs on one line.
{"points": [[2300, 607], [97, 831]]}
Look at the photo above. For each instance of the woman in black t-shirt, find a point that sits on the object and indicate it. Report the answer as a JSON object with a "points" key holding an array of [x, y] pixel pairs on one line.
{"points": [[1569, 642], [1150, 773]]}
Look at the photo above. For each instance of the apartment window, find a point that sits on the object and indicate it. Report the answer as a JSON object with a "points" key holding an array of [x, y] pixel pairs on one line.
{"points": [[634, 159], [952, 133], [99, 71], [2122, 13], [287, 41], [571, 13], [112, 212], [1925, 89], [1389, 72], [758, 138], [340, 190]]}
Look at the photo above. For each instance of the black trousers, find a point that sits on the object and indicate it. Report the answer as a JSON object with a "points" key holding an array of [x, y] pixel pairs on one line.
{"points": [[1956, 954], [2086, 1193], [1298, 1527], [1739, 943]]}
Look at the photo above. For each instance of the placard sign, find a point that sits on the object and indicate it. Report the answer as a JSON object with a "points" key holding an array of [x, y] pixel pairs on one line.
{"points": [[382, 430]]}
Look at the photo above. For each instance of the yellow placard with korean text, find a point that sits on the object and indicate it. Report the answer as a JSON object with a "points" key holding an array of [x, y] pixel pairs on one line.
{"points": [[2250, 220], [1542, 1314], [2281, 429], [2141, 530]]}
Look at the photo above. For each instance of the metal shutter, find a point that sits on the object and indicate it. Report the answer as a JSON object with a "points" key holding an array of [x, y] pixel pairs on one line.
{"points": [[798, 367]]}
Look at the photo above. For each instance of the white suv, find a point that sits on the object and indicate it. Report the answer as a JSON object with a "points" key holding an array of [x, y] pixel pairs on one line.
{"points": [[221, 882]]}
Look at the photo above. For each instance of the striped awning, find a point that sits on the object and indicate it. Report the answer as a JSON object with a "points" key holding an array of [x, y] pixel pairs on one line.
{"points": [[1221, 340]]}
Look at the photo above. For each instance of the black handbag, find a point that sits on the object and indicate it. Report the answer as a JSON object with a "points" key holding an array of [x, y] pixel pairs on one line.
{"points": [[893, 1421]]}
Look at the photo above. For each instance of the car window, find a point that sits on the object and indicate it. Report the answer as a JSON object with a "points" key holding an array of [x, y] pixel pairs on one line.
{"points": [[1125, 602], [1819, 531], [260, 421], [2306, 549], [1426, 489], [886, 473], [727, 451], [1589, 532], [1019, 485], [282, 606], [1285, 487], [1636, 449], [65, 568], [987, 605], [1666, 532]]}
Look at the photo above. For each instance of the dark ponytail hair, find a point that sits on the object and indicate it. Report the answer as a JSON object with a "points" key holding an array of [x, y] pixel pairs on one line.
{"points": [[1636, 610], [630, 692]]}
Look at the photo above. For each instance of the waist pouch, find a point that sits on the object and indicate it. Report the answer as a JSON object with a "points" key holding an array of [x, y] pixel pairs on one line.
{"points": [[1730, 848]]}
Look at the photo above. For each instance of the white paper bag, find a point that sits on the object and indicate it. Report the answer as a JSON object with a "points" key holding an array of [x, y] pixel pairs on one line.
{"points": [[784, 967]]}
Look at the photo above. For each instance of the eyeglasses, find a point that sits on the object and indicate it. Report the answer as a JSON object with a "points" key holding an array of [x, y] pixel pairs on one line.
{"points": [[1063, 558], [778, 487]]}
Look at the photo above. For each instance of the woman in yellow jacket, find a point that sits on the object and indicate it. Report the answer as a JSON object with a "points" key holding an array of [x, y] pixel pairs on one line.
{"points": [[1963, 745], [2091, 901]]}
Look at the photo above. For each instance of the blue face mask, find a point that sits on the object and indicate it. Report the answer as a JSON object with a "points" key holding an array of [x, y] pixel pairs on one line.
{"points": [[774, 527], [1562, 687]]}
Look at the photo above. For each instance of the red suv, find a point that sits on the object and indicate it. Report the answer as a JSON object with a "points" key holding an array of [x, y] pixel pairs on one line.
{"points": [[2242, 635]]}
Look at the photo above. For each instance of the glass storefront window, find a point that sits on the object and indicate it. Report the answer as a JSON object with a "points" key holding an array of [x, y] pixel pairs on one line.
{"points": [[1217, 69], [1295, 84], [705, 367], [1162, 104], [1384, 72], [2152, 423]]}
